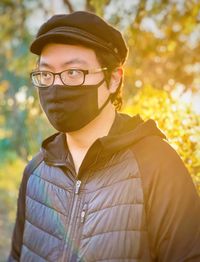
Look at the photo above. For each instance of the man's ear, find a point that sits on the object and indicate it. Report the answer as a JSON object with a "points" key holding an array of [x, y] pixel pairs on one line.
{"points": [[115, 79]]}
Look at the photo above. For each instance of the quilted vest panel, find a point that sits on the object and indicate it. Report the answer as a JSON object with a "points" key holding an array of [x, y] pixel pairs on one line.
{"points": [[103, 221]]}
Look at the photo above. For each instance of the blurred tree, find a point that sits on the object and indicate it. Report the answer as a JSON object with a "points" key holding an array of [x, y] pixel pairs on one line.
{"points": [[163, 66], [17, 95], [164, 51], [14, 61], [164, 46]]}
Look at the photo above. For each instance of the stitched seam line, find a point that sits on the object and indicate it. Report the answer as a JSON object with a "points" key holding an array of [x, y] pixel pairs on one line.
{"points": [[132, 230], [33, 251], [44, 230], [119, 181], [152, 255], [46, 180], [124, 204], [77, 30], [45, 205]]}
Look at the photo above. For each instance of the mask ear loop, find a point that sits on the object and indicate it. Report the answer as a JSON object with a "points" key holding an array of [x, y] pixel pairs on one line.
{"points": [[107, 100], [105, 103], [120, 71]]}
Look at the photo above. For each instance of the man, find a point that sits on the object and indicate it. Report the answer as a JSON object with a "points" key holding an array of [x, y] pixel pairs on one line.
{"points": [[106, 187]]}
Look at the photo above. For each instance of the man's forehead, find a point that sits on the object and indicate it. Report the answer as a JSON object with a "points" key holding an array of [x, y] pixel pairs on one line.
{"points": [[76, 61], [66, 55]]}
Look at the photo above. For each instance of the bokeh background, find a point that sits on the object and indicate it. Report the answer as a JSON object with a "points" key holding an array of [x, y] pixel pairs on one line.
{"points": [[162, 81]]}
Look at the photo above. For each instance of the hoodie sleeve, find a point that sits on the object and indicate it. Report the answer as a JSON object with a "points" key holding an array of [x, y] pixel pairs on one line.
{"points": [[19, 223], [17, 238], [171, 201]]}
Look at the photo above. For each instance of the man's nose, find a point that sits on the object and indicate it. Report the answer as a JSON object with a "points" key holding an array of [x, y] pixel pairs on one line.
{"points": [[57, 80]]}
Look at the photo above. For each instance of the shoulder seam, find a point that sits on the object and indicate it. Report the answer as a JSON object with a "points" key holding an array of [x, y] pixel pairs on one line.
{"points": [[34, 163]]}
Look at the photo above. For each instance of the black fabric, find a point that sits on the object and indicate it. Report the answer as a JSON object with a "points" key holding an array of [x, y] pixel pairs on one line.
{"points": [[84, 27], [124, 132], [171, 200], [19, 226], [162, 184], [70, 108]]}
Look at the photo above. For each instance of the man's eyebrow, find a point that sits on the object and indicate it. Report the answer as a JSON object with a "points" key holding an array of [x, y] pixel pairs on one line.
{"points": [[76, 61], [67, 63]]}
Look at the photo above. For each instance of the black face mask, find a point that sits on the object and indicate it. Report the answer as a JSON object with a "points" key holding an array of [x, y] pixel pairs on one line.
{"points": [[71, 108]]}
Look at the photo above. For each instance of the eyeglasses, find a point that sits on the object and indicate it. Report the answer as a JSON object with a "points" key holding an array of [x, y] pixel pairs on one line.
{"points": [[70, 77]]}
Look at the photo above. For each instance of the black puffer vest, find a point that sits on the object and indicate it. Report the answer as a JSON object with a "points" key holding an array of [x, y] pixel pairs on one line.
{"points": [[98, 218], [96, 215], [127, 203]]}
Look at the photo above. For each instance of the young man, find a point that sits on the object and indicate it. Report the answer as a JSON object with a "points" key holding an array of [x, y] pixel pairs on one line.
{"points": [[106, 187]]}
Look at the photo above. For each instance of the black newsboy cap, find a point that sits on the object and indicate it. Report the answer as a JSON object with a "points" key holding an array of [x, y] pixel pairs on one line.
{"points": [[84, 27]]}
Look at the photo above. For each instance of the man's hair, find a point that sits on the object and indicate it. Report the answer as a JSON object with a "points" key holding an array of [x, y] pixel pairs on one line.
{"points": [[107, 60]]}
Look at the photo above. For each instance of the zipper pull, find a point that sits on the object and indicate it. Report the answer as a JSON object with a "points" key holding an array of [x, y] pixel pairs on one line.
{"points": [[83, 213], [82, 216], [78, 184]]}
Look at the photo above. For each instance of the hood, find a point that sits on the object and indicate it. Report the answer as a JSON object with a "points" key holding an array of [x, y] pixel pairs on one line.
{"points": [[124, 132], [127, 130]]}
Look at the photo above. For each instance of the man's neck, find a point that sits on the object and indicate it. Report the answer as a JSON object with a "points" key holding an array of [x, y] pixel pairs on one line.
{"points": [[80, 141]]}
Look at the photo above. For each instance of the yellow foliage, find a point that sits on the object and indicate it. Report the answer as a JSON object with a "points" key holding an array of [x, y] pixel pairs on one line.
{"points": [[179, 123], [4, 85]]}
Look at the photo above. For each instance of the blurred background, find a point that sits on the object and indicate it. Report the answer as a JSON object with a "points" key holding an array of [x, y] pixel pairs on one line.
{"points": [[162, 81]]}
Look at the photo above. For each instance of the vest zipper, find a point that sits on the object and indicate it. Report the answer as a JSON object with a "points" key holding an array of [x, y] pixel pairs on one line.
{"points": [[83, 213], [77, 188], [70, 227]]}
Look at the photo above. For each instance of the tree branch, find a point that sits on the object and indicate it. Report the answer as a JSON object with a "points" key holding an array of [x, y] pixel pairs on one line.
{"points": [[69, 5]]}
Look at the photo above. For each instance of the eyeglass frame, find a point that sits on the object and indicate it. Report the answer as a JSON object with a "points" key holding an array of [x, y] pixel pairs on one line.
{"points": [[84, 71]]}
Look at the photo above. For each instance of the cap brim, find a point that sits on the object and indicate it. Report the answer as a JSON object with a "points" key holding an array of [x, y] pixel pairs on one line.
{"points": [[64, 38]]}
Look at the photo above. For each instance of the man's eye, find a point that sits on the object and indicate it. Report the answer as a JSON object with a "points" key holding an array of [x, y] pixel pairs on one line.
{"points": [[46, 75], [74, 73]]}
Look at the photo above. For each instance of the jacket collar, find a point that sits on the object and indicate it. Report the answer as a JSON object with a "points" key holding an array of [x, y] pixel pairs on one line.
{"points": [[125, 130]]}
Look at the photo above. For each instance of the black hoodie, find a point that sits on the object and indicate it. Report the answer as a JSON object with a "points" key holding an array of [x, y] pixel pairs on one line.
{"points": [[171, 201]]}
